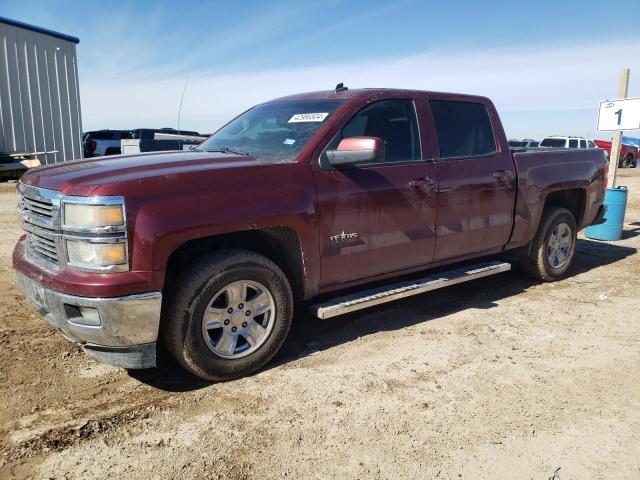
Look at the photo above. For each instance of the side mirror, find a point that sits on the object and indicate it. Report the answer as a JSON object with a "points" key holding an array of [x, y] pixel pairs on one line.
{"points": [[356, 150]]}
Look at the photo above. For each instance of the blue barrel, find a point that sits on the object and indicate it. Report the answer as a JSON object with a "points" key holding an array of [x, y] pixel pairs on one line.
{"points": [[611, 229]]}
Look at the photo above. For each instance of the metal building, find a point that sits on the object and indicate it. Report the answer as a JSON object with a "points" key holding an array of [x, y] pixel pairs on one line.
{"points": [[39, 93]]}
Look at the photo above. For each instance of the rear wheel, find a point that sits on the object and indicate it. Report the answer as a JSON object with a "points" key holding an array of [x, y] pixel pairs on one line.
{"points": [[554, 246], [627, 162], [229, 315]]}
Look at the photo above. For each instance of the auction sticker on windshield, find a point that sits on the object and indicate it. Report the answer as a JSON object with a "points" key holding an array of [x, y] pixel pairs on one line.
{"points": [[308, 117]]}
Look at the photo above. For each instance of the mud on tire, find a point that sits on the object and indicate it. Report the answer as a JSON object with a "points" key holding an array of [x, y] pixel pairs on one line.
{"points": [[541, 264], [201, 283]]}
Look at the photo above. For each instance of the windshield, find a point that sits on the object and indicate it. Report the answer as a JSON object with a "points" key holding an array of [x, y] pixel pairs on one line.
{"points": [[553, 142], [517, 144], [274, 131]]}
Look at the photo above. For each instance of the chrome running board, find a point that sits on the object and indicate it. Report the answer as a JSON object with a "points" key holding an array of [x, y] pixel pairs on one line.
{"points": [[388, 293]]}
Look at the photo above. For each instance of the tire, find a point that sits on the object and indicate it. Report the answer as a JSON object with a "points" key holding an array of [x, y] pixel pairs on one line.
{"points": [[207, 286], [542, 263], [627, 162]]}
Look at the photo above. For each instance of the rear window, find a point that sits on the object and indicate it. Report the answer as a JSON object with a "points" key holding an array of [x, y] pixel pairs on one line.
{"points": [[463, 129], [517, 144], [553, 142]]}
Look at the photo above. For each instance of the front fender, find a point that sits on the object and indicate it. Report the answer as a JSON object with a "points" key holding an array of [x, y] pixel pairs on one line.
{"points": [[280, 197]]}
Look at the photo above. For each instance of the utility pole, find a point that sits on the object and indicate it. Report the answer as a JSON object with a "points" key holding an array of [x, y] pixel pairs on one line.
{"points": [[614, 157]]}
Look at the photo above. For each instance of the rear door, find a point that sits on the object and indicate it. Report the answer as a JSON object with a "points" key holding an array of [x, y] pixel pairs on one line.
{"points": [[377, 218], [476, 190]]}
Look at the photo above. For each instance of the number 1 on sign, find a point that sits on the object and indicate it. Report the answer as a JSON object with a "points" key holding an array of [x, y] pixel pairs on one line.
{"points": [[619, 114]]}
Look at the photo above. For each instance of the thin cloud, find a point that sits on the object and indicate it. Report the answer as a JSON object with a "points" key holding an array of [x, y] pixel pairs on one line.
{"points": [[550, 79]]}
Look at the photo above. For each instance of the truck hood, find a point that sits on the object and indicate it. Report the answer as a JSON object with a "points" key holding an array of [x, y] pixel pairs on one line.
{"points": [[83, 177]]}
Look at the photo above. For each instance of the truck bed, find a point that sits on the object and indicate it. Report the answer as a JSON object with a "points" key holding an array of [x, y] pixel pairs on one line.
{"points": [[542, 171]]}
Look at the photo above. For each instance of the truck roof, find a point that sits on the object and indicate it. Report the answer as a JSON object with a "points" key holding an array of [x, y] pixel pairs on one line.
{"points": [[368, 92]]}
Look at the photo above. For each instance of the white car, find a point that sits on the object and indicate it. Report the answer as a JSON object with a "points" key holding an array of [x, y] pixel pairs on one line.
{"points": [[558, 141]]}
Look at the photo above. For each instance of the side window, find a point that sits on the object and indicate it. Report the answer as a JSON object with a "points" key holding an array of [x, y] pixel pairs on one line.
{"points": [[592, 145], [583, 144], [534, 144], [573, 143], [104, 135], [394, 121], [463, 128]]}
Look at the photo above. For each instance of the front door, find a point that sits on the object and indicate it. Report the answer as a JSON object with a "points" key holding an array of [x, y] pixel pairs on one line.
{"points": [[377, 218]]}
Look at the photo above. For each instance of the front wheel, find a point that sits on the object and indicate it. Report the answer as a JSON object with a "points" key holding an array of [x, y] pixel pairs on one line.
{"points": [[229, 315], [554, 246]]}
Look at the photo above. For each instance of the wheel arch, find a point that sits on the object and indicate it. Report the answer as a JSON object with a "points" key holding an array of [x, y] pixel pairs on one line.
{"points": [[281, 245], [573, 199]]}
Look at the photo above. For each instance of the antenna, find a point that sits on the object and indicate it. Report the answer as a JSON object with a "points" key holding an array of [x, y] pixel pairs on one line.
{"points": [[181, 99]]}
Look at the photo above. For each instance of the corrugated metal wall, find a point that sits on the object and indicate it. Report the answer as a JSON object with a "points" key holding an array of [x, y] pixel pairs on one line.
{"points": [[39, 95]]}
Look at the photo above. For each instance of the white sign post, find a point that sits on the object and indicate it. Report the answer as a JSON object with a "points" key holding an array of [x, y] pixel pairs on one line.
{"points": [[618, 115]]}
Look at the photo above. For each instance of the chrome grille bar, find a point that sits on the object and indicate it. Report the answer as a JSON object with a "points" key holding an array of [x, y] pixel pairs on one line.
{"points": [[42, 208], [40, 212]]}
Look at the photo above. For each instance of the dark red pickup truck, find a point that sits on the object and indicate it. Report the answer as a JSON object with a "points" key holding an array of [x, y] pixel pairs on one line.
{"points": [[210, 250]]}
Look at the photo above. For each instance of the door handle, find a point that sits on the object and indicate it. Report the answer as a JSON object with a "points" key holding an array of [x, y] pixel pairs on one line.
{"points": [[421, 183], [502, 174]]}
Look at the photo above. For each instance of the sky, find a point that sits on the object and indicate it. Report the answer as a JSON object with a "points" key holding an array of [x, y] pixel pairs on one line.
{"points": [[546, 64]]}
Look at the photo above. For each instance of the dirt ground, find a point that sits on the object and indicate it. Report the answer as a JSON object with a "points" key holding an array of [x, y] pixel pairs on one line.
{"points": [[501, 378]]}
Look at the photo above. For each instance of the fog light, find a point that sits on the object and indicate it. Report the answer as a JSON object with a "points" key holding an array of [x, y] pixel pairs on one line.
{"points": [[90, 315], [82, 315]]}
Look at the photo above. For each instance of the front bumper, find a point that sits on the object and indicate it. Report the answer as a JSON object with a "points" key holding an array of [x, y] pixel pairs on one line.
{"points": [[121, 331]]}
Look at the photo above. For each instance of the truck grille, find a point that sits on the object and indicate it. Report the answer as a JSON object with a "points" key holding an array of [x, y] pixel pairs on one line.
{"points": [[42, 245], [40, 212], [38, 207]]}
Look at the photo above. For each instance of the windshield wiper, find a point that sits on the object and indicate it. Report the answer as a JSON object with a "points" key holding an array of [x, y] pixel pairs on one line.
{"points": [[228, 150]]}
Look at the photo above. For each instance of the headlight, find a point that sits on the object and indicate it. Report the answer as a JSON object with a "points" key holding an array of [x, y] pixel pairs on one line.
{"points": [[81, 216], [97, 256], [94, 230]]}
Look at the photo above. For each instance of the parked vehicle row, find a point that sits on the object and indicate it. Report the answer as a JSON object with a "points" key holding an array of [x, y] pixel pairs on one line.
{"points": [[629, 154], [99, 143], [211, 251]]}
